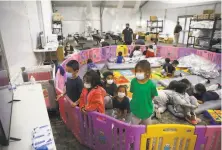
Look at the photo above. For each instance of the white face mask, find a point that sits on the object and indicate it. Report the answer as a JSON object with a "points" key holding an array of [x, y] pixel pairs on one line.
{"points": [[121, 95], [87, 85], [110, 81], [68, 75], [140, 76]]}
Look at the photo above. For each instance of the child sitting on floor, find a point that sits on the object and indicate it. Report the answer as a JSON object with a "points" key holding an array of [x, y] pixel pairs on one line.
{"points": [[92, 97], [203, 95], [121, 102], [120, 59], [110, 86], [136, 52], [169, 68], [150, 52]]}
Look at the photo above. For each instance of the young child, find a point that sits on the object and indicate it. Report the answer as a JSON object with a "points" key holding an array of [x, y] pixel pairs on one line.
{"points": [[92, 97], [143, 90], [136, 52], [92, 66], [150, 52], [110, 88], [168, 68], [120, 58], [73, 85], [121, 102], [203, 95]]}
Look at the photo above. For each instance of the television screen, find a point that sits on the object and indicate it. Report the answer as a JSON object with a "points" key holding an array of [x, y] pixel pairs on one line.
{"points": [[6, 95]]}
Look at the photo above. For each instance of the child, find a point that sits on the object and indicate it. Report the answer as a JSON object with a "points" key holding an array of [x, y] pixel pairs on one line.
{"points": [[68, 49], [143, 90], [201, 93], [136, 52], [92, 97], [121, 102], [168, 68], [92, 66], [110, 88], [120, 58], [150, 52], [74, 85]]}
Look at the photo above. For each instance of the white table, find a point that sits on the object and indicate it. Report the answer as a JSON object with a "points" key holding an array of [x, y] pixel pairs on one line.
{"points": [[27, 114], [44, 51]]}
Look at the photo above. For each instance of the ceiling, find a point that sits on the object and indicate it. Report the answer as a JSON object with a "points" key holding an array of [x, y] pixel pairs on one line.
{"points": [[127, 4]]}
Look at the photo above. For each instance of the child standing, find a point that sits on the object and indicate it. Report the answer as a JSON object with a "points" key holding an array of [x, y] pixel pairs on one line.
{"points": [[73, 85], [120, 58], [92, 97], [121, 102], [143, 90], [110, 88]]}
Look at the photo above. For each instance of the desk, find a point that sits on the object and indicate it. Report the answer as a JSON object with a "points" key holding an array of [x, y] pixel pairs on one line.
{"points": [[27, 114]]}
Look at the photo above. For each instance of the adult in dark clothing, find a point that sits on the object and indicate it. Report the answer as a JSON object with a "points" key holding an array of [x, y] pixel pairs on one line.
{"points": [[127, 35], [68, 49], [177, 30]]}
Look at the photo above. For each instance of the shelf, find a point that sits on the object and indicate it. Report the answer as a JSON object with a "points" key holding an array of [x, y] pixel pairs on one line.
{"points": [[202, 28], [154, 27], [202, 19], [155, 21], [57, 28], [200, 37]]}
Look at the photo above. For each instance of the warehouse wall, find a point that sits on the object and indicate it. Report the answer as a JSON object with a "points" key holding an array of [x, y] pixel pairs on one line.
{"points": [[171, 11], [19, 28], [113, 20]]}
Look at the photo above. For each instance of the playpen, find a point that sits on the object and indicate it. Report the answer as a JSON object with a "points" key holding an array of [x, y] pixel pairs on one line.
{"points": [[111, 134]]}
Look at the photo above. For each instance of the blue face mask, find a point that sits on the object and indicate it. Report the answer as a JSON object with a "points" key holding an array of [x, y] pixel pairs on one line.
{"points": [[68, 75]]}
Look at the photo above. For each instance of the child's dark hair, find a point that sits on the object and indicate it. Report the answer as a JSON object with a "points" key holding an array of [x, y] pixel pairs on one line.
{"points": [[175, 62], [89, 61], [151, 46], [167, 60], [200, 88], [93, 78], [106, 74], [181, 88], [136, 47], [186, 81], [172, 85], [73, 64], [120, 53], [144, 65], [122, 86]]}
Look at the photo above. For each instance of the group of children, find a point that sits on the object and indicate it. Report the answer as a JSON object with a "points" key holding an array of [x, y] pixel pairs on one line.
{"points": [[96, 94]]}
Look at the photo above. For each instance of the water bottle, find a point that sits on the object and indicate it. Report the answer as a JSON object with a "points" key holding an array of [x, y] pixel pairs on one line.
{"points": [[32, 80]]}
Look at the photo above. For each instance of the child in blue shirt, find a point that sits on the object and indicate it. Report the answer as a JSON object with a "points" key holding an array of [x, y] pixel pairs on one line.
{"points": [[120, 58]]}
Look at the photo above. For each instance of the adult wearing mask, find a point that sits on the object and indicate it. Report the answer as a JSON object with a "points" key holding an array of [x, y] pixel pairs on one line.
{"points": [[177, 30], [127, 35]]}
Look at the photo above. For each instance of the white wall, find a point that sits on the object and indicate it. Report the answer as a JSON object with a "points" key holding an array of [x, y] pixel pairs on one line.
{"points": [[19, 28], [112, 19], [172, 11]]}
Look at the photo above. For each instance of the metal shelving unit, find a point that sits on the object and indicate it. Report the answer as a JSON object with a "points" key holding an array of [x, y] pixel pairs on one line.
{"points": [[210, 37], [157, 26], [54, 29]]}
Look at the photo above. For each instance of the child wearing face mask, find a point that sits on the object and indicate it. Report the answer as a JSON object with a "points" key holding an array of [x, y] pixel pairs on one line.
{"points": [[92, 97], [144, 90], [73, 85], [110, 88], [121, 102]]}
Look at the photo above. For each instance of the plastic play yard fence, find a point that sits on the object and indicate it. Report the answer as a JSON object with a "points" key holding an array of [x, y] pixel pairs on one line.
{"points": [[101, 132]]}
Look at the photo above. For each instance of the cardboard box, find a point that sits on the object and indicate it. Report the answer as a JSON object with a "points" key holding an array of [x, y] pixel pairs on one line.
{"points": [[200, 16], [208, 11], [212, 16], [206, 16], [153, 18]]}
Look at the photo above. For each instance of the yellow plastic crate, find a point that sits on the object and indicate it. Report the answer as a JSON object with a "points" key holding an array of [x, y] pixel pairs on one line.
{"points": [[168, 137]]}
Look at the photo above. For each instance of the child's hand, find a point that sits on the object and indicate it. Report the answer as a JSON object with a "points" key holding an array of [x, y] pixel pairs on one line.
{"points": [[83, 110], [59, 96], [74, 104]]}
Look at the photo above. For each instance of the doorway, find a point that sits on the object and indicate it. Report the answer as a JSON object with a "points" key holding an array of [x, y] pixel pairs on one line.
{"points": [[184, 22]]}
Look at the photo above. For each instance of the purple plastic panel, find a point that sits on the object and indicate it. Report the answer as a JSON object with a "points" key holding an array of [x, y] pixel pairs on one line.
{"points": [[83, 56], [213, 135], [217, 59], [105, 53], [112, 52], [130, 48], [201, 139], [182, 51], [109, 133]]}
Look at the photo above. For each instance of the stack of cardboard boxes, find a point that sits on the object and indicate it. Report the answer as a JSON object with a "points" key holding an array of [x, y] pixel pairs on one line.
{"points": [[207, 14]]}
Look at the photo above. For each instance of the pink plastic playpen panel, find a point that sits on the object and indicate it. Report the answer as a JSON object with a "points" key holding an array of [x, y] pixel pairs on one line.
{"points": [[105, 53], [61, 102], [168, 52], [60, 81], [213, 135], [83, 57], [113, 51], [182, 51], [95, 54], [130, 48]]}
